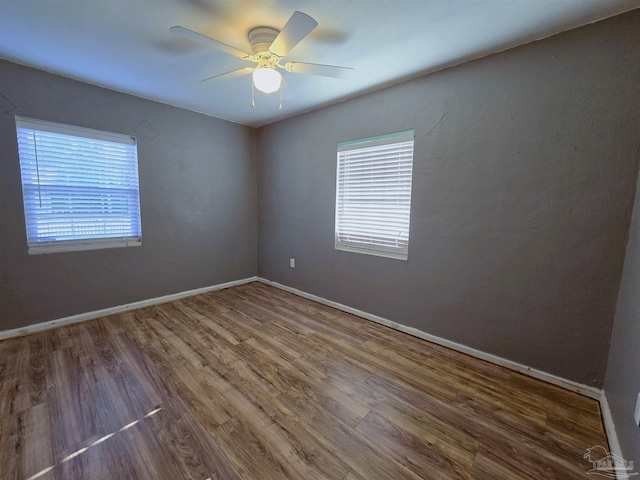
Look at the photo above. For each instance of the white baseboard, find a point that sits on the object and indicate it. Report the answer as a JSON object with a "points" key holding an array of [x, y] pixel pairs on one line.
{"points": [[586, 390], [39, 327], [610, 429]]}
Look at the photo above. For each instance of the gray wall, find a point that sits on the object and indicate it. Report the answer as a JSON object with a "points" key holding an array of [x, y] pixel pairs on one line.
{"points": [[198, 203], [524, 179], [622, 382]]}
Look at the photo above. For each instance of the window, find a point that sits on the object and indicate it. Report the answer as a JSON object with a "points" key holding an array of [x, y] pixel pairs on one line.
{"points": [[373, 197], [80, 187]]}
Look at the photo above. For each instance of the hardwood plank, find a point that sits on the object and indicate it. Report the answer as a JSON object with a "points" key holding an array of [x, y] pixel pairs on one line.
{"points": [[152, 459], [422, 458], [120, 401], [353, 476], [279, 339], [489, 467], [73, 411], [140, 367], [308, 450], [117, 457], [324, 391], [11, 454], [424, 422], [201, 391], [62, 337], [294, 449], [326, 362], [15, 394], [214, 323], [495, 436], [252, 457], [97, 352], [574, 431], [38, 457], [495, 413], [362, 456], [408, 373], [552, 395], [296, 446], [82, 461], [39, 368]]}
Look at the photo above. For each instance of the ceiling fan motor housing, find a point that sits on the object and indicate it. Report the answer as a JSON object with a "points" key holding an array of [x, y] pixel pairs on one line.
{"points": [[261, 38]]}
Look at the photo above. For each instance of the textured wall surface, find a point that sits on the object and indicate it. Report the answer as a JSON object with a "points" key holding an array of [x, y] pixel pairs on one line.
{"points": [[622, 382], [523, 183], [197, 192]]}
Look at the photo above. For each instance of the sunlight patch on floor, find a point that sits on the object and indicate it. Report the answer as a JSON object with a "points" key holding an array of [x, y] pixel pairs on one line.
{"points": [[97, 442]]}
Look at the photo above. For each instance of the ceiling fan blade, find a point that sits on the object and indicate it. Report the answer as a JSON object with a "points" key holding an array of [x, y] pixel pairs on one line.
{"points": [[232, 73], [297, 27], [318, 69], [208, 41]]}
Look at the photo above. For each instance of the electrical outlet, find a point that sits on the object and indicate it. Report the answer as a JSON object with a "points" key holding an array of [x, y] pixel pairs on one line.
{"points": [[292, 262], [637, 415]]}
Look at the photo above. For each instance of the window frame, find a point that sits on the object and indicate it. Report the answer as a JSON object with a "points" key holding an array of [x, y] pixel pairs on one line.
{"points": [[36, 247], [361, 144]]}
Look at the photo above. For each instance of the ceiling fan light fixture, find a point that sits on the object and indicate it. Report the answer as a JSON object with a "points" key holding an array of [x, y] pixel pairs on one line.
{"points": [[266, 79]]}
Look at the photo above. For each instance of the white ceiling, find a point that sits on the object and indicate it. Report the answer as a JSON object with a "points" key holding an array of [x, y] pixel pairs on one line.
{"points": [[125, 45]]}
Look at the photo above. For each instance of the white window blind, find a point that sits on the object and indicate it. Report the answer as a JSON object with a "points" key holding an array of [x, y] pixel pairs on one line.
{"points": [[80, 187], [373, 201]]}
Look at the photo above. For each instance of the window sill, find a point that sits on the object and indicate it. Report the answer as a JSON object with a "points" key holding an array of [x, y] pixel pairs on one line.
{"points": [[375, 253], [74, 246]]}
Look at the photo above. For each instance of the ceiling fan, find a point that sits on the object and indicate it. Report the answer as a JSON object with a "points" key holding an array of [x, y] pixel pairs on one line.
{"points": [[268, 48]]}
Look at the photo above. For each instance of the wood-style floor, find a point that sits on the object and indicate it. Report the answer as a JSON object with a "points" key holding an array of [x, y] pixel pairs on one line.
{"points": [[255, 383]]}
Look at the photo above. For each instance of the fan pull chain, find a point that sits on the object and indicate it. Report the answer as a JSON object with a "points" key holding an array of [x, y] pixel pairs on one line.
{"points": [[253, 95], [280, 108]]}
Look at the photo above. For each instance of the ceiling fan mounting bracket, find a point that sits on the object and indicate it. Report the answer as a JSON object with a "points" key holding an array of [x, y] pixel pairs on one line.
{"points": [[261, 39]]}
